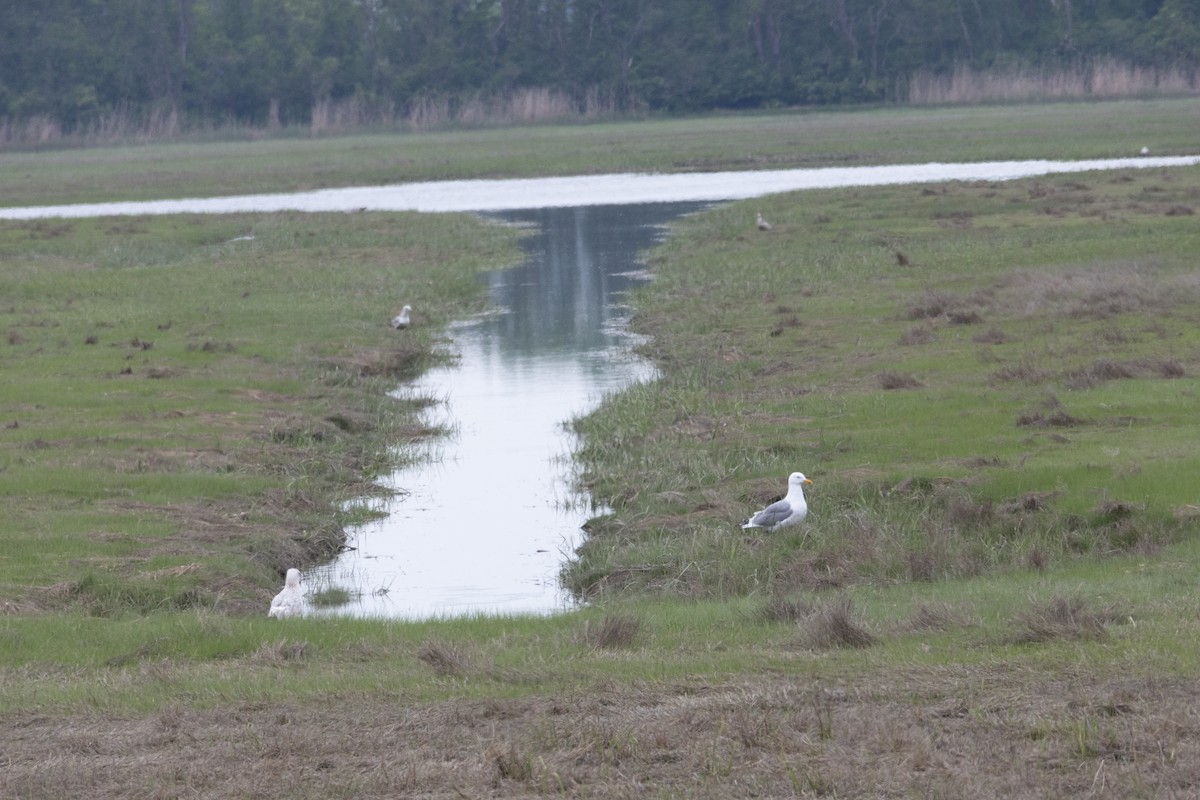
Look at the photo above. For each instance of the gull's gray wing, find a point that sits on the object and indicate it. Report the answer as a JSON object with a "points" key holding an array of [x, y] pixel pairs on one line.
{"points": [[772, 515]]}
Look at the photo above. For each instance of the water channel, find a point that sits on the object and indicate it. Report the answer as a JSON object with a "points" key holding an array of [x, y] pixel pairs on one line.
{"points": [[485, 524]]}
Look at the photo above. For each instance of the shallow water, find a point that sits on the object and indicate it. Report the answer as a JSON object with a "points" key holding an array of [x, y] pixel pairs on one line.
{"points": [[486, 525], [590, 190]]}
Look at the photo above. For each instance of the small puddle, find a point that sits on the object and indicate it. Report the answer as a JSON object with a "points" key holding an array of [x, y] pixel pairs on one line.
{"points": [[486, 523]]}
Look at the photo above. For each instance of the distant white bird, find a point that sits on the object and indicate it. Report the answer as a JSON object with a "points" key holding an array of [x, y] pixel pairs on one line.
{"points": [[289, 602], [793, 508], [400, 321], [1145, 151], [763, 225]]}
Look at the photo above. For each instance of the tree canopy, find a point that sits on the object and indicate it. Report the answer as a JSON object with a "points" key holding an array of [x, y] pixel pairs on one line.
{"points": [[274, 61]]}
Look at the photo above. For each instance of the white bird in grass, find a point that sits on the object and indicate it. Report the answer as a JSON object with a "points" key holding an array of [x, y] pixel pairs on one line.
{"points": [[289, 602], [400, 321], [763, 225], [793, 508]]}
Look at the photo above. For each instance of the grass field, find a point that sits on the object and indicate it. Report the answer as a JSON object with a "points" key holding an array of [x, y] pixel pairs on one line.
{"points": [[744, 142], [992, 386]]}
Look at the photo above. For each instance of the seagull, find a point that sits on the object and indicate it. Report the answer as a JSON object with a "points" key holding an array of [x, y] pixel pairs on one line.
{"points": [[763, 225], [791, 509], [400, 321], [1145, 151], [289, 602]]}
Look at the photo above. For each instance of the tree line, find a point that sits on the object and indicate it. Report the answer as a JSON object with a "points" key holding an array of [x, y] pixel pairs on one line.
{"points": [[280, 62]]}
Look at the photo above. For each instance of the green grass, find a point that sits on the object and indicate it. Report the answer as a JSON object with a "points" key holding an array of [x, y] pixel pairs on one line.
{"points": [[1042, 338], [178, 400], [1026, 587], [719, 142], [205, 659]]}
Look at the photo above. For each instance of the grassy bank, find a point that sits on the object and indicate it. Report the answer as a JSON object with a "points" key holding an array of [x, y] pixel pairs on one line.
{"points": [[976, 377], [746, 142], [189, 400], [992, 386]]}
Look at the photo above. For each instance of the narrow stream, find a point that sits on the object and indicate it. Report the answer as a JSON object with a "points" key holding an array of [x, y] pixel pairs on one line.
{"points": [[485, 525]]}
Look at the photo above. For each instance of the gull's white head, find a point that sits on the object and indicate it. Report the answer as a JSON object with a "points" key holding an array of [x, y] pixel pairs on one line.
{"points": [[796, 481], [293, 577]]}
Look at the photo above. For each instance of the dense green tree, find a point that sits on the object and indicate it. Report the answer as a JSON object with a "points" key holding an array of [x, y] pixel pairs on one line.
{"points": [[79, 62]]}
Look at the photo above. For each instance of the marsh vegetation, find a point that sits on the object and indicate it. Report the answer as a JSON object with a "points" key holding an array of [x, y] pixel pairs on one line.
{"points": [[993, 595]]}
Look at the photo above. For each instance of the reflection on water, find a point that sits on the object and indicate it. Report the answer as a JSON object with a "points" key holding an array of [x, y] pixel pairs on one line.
{"points": [[487, 525]]}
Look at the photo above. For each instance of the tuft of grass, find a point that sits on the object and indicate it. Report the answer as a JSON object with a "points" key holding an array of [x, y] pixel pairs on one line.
{"points": [[833, 626], [446, 659], [783, 609], [613, 631], [281, 652], [1063, 617], [898, 380]]}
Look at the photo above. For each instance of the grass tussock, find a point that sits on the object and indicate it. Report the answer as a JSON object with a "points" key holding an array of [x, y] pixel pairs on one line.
{"points": [[1064, 617], [783, 609], [833, 625], [613, 631], [890, 380], [446, 659], [282, 652]]}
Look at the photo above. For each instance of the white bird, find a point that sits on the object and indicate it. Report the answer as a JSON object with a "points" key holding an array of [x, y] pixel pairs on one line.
{"points": [[289, 602], [400, 321], [793, 508], [1145, 151], [763, 225]]}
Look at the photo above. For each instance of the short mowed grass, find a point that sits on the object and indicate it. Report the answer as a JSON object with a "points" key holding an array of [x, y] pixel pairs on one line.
{"points": [[992, 386]]}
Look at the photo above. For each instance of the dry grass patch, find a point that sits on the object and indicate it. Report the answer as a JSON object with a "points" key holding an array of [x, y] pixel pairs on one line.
{"points": [[833, 626], [981, 732], [918, 335], [990, 336], [1051, 414], [281, 652], [447, 660], [891, 380], [936, 617], [964, 318], [614, 631], [1024, 371], [931, 304], [783, 609], [1063, 617]]}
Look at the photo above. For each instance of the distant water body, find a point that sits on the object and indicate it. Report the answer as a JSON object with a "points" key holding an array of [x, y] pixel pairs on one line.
{"points": [[592, 190]]}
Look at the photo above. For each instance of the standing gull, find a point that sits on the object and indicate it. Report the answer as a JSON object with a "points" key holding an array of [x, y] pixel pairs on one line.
{"points": [[763, 225], [791, 509], [400, 321], [289, 602]]}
